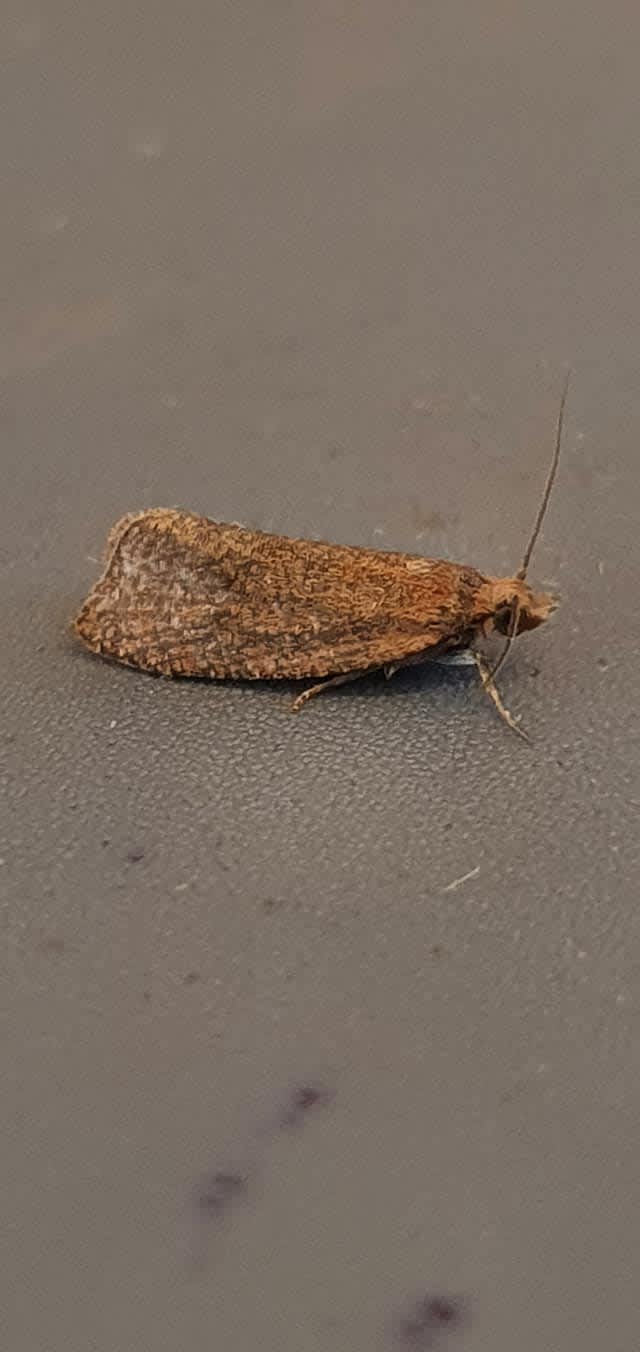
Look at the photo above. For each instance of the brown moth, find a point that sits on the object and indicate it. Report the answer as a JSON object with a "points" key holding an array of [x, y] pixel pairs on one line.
{"points": [[181, 595]]}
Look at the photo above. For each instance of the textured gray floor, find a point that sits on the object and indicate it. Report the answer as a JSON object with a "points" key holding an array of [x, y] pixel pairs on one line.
{"points": [[319, 268]]}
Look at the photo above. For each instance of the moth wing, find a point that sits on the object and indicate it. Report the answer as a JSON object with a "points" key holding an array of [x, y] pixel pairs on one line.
{"points": [[183, 595]]}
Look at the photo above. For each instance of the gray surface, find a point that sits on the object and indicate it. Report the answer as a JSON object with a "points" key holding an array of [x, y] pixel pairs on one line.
{"points": [[321, 274]]}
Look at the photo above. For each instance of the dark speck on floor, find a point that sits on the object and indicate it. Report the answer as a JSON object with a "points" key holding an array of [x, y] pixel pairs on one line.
{"points": [[134, 855], [304, 1099], [429, 1320], [219, 1191]]}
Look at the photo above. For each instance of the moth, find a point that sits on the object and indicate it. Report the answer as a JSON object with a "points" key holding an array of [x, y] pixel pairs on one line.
{"points": [[182, 595]]}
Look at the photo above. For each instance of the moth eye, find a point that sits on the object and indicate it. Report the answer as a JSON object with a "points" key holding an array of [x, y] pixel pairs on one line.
{"points": [[503, 618]]}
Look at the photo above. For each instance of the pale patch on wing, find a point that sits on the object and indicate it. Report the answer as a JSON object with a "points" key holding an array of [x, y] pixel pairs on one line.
{"points": [[462, 657]]}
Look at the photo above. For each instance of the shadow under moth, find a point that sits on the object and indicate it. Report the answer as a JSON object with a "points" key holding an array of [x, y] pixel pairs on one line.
{"points": [[181, 595]]}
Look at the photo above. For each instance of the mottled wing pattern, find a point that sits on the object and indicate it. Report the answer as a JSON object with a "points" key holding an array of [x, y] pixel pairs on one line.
{"points": [[183, 595]]}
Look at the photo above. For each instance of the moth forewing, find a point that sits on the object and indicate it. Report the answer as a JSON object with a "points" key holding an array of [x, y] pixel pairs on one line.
{"points": [[183, 595]]}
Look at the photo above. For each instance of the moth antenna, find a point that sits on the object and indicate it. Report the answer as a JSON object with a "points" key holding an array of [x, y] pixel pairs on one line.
{"points": [[540, 515], [553, 470]]}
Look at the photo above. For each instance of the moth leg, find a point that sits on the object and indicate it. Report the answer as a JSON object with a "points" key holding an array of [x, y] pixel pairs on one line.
{"points": [[326, 685], [494, 694]]}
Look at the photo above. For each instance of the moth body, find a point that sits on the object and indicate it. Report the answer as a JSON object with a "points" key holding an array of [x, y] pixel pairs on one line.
{"points": [[181, 595]]}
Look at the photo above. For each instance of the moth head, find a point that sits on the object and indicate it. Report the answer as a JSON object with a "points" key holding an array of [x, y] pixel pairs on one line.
{"points": [[513, 606], [513, 599]]}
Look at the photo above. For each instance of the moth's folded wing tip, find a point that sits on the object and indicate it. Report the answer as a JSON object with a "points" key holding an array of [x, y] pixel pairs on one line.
{"points": [[82, 626]]}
